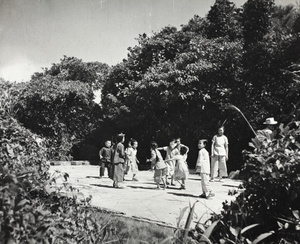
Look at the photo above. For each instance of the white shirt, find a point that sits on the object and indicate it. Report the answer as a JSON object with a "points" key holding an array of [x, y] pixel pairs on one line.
{"points": [[203, 161], [219, 145]]}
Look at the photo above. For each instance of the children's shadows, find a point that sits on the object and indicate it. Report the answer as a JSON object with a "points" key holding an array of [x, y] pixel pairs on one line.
{"points": [[183, 194], [198, 179], [142, 187], [104, 186], [94, 177]]}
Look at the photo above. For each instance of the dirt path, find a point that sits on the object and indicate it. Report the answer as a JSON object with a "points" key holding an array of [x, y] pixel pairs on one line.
{"points": [[141, 200]]}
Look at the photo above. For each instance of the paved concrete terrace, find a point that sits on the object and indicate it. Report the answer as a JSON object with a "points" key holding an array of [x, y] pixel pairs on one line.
{"points": [[141, 199]]}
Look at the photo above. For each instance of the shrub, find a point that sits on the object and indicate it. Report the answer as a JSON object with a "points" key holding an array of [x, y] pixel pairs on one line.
{"points": [[268, 209], [34, 208]]}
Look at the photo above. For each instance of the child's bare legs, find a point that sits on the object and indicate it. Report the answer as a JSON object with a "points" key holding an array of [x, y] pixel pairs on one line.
{"points": [[167, 182], [182, 184], [134, 177], [165, 185], [157, 185], [172, 180]]}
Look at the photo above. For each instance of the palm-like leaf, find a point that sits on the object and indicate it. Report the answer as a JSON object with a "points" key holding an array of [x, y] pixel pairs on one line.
{"points": [[232, 107]]}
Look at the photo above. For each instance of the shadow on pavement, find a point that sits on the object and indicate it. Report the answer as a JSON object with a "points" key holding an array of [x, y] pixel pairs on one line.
{"points": [[230, 185], [183, 194], [94, 177], [173, 188], [198, 179], [142, 187], [104, 186]]}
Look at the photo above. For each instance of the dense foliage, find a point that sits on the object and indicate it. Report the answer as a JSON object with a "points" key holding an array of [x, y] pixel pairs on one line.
{"points": [[173, 83], [177, 82], [36, 207], [59, 103], [267, 210]]}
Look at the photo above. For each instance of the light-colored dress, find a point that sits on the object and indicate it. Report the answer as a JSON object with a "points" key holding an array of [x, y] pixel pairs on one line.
{"points": [[181, 168], [127, 161], [132, 160], [171, 153]]}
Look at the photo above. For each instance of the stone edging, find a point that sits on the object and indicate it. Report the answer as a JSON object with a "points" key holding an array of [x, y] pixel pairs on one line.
{"points": [[68, 163]]}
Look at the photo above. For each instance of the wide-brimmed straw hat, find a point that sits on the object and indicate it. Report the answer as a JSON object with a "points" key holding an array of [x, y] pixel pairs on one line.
{"points": [[270, 121]]}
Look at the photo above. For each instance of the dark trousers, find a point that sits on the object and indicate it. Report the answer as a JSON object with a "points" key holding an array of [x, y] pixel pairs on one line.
{"points": [[102, 168]]}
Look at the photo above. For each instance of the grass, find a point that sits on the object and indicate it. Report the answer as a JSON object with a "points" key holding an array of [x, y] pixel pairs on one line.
{"points": [[131, 230]]}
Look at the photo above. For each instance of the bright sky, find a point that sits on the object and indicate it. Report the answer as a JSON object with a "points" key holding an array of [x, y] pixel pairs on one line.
{"points": [[34, 34]]}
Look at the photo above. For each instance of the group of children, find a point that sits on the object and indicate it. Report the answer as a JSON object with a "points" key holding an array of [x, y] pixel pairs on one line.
{"points": [[120, 161], [174, 166], [130, 160]]}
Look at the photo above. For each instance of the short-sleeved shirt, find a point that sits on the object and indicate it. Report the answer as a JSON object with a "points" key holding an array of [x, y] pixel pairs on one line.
{"points": [[105, 153], [219, 145]]}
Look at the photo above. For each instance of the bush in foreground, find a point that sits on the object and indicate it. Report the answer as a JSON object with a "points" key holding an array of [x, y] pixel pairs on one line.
{"points": [[267, 211], [35, 209]]}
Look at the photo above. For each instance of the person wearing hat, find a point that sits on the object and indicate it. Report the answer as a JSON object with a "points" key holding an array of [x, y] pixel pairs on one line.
{"points": [[118, 161], [269, 132], [270, 127]]}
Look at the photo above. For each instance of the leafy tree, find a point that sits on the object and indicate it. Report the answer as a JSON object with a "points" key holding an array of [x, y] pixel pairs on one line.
{"points": [[71, 68], [183, 78], [284, 19], [224, 20], [180, 93], [58, 103], [196, 25], [265, 82], [61, 110], [256, 20]]}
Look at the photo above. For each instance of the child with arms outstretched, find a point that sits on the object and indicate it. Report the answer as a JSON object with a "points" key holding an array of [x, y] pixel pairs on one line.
{"points": [[158, 164], [181, 168]]}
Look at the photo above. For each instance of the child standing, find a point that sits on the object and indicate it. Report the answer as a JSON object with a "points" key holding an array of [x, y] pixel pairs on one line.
{"points": [[219, 155], [118, 161], [203, 161], [132, 158], [105, 158], [127, 158], [158, 164], [181, 169], [171, 152]]}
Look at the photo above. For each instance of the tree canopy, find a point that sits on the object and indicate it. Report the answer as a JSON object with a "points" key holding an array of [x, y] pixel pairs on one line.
{"points": [[175, 82]]}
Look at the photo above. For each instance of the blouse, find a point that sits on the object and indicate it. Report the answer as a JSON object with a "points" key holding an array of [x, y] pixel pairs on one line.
{"points": [[219, 145]]}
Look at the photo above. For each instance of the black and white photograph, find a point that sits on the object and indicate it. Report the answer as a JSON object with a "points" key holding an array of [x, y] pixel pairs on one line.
{"points": [[149, 121]]}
